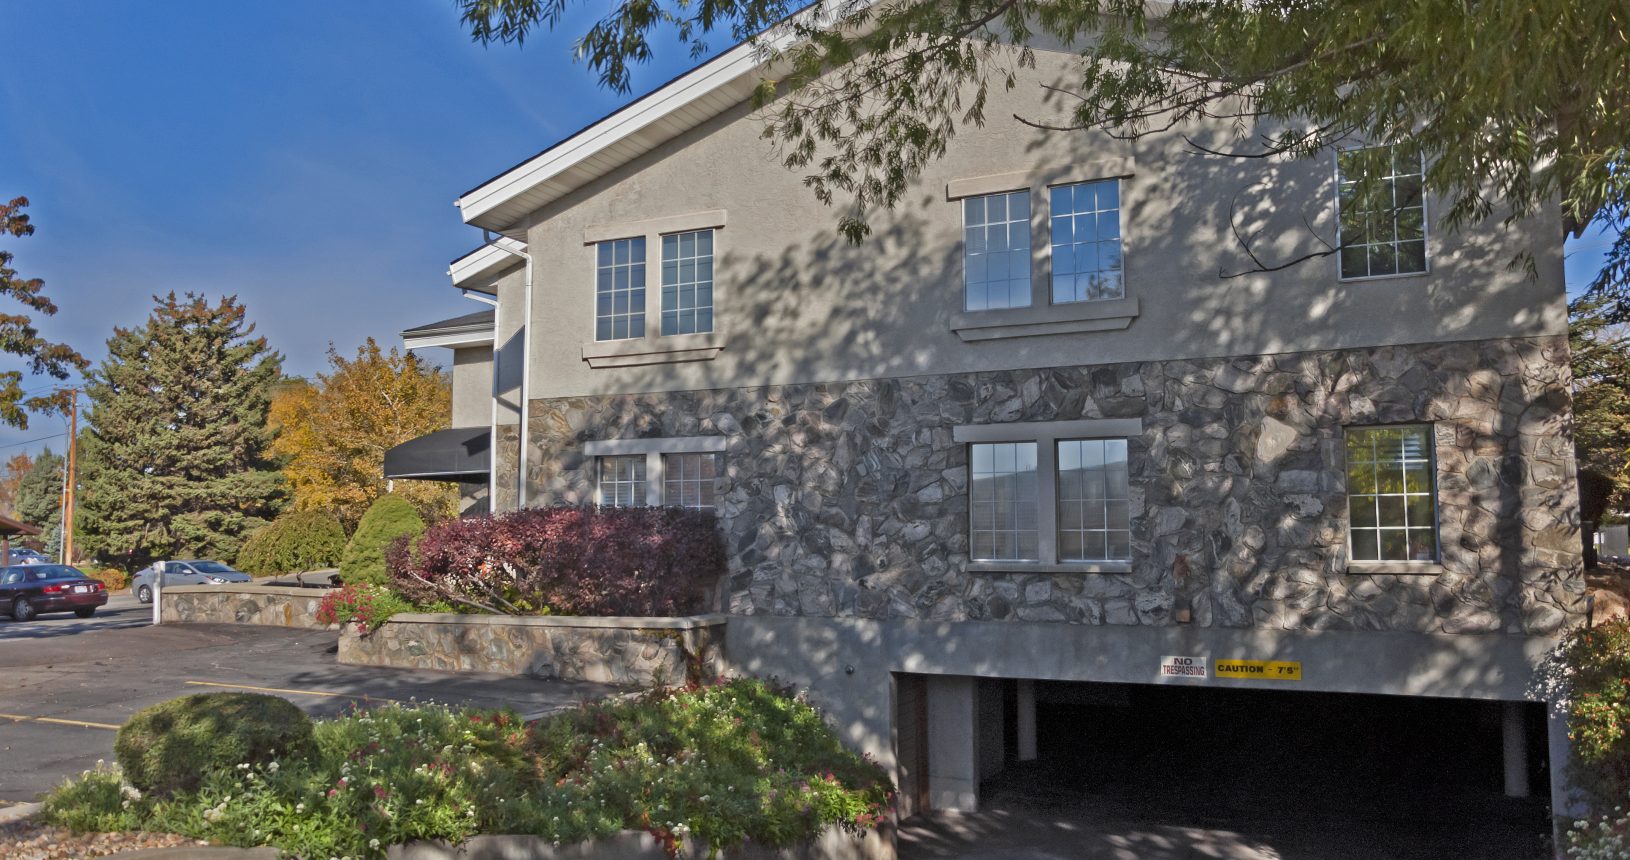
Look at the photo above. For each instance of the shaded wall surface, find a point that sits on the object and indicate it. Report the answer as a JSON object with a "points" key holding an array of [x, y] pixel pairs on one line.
{"points": [[850, 499]]}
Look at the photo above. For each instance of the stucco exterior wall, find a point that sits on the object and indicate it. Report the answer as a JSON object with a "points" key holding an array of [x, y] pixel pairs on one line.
{"points": [[796, 304], [850, 499], [472, 386]]}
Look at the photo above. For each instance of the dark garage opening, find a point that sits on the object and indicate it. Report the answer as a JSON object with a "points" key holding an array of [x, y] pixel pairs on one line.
{"points": [[1147, 771], [1283, 763]]}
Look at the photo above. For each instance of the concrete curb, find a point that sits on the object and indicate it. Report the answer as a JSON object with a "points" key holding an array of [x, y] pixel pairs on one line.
{"points": [[19, 811]]}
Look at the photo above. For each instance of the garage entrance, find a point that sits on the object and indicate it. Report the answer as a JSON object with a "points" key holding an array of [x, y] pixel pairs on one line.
{"points": [[1179, 771]]}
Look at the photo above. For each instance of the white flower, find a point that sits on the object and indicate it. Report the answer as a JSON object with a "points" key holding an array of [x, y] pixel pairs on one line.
{"points": [[374, 844], [299, 807], [130, 791], [271, 768]]}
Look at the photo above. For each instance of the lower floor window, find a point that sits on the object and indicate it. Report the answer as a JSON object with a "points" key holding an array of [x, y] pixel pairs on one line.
{"points": [[1391, 494], [622, 481], [1052, 500], [1002, 492], [1094, 519], [686, 480], [689, 480]]}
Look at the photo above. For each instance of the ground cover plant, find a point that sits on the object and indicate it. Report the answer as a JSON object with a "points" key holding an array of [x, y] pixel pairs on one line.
{"points": [[704, 765]]}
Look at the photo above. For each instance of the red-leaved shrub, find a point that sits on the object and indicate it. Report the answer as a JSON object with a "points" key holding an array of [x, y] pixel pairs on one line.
{"points": [[566, 561]]}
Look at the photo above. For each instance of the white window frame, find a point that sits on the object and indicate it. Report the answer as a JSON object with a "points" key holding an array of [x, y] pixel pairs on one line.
{"points": [[653, 450], [1426, 219], [1400, 566], [1046, 435]]}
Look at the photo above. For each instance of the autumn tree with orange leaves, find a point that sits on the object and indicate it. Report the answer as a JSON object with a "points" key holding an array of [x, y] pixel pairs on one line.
{"points": [[333, 433]]}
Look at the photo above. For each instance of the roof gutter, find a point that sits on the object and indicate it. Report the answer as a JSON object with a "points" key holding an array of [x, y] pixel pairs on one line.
{"points": [[501, 243]]}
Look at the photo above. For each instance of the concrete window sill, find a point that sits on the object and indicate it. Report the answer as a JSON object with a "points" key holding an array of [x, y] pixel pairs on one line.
{"points": [[1039, 567], [653, 350], [1073, 318], [1396, 568]]}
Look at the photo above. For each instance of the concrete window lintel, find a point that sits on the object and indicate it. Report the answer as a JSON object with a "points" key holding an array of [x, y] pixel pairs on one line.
{"points": [[708, 219], [667, 445], [1048, 432]]}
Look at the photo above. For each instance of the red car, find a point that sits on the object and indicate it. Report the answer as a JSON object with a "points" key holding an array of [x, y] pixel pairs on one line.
{"points": [[28, 591]]}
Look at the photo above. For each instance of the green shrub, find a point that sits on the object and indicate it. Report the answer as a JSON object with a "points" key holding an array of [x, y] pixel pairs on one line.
{"points": [[170, 747], [293, 543], [387, 519], [699, 767]]}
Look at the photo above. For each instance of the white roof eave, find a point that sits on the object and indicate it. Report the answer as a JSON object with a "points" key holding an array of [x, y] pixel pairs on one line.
{"points": [[503, 201]]}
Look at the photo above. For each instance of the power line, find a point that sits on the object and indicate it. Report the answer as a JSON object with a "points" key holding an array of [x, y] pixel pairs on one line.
{"points": [[32, 441]]}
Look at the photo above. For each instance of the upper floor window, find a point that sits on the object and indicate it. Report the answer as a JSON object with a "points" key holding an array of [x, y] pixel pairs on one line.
{"points": [[996, 251], [1086, 228], [1391, 494], [619, 289], [687, 282], [1382, 222]]}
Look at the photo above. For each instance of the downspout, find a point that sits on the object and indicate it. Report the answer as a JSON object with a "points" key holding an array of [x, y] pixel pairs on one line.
{"points": [[492, 433], [526, 366]]}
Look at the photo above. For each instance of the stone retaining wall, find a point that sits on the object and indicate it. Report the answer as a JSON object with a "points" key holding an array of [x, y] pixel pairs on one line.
{"points": [[271, 605], [627, 651]]}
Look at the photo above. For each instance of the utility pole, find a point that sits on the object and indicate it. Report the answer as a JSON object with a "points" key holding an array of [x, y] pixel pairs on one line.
{"points": [[68, 484]]}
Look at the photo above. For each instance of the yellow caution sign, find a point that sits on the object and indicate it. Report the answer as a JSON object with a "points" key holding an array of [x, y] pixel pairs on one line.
{"points": [[1261, 670]]}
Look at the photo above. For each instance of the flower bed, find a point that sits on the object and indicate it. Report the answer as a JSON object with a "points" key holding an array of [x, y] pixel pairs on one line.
{"points": [[720, 765]]}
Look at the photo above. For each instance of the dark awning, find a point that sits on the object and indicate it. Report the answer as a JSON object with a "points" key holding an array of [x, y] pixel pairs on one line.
{"points": [[459, 454]]}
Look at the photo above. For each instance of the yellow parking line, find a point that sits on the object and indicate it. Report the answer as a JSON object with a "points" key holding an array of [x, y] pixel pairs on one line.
{"points": [[288, 692], [82, 723]]}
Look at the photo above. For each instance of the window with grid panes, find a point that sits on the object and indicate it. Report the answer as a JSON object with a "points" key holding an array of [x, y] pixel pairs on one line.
{"points": [[1382, 223], [619, 289], [688, 480], [622, 481], [687, 282], [996, 251], [1002, 491], [1391, 494], [1094, 521], [1086, 241]]}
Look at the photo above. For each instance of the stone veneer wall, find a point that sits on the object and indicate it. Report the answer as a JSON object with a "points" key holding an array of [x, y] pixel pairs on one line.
{"points": [[849, 499], [640, 652], [271, 605]]}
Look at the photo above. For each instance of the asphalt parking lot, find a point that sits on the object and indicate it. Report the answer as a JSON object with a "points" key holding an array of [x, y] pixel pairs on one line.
{"points": [[70, 683]]}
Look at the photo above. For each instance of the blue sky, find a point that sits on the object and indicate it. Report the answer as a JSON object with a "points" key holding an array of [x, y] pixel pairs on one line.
{"points": [[302, 155]]}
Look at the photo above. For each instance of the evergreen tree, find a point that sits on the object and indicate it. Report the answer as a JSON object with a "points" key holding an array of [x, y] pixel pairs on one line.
{"points": [[175, 461], [39, 494]]}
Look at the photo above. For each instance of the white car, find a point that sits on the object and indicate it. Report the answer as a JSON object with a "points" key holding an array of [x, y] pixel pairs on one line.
{"points": [[191, 572]]}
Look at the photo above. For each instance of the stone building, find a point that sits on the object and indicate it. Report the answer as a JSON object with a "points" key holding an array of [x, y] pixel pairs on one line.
{"points": [[1028, 435]]}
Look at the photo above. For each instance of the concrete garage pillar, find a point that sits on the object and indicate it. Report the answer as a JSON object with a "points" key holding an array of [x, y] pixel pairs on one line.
{"points": [[1563, 804], [953, 743], [1025, 720], [1514, 734]]}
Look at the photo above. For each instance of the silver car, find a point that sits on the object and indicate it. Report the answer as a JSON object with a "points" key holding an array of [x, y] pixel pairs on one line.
{"points": [[192, 572]]}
